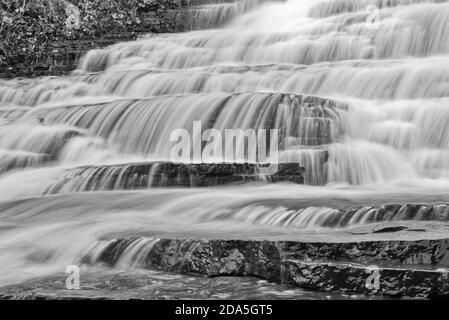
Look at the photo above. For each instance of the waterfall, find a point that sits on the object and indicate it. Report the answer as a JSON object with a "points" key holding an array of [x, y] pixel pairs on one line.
{"points": [[385, 89], [358, 91]]}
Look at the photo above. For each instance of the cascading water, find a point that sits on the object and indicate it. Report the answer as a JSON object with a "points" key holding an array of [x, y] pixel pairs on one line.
{"points": [[363, 106]]}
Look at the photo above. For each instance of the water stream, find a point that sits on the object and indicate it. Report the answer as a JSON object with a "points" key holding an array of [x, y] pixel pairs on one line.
{"points": [[361, 104]]}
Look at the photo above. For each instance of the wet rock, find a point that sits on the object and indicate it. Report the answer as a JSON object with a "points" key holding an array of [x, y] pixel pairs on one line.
{"points": [[342, 267], [214, 258], [390, 229], [233, 264], [385, 213], [424, 252], [167, 174], [351, 278]]}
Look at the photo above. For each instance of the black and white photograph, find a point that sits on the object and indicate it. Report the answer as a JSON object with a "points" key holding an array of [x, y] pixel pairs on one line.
{"points": [[239, 153]]}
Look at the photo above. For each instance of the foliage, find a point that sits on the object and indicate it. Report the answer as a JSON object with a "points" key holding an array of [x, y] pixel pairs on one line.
{"points": [[29, 27], [100, 16], [26, 26]]}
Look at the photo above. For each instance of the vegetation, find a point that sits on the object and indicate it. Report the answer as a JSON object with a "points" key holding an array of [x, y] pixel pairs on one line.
{"points": [[29, 27]]}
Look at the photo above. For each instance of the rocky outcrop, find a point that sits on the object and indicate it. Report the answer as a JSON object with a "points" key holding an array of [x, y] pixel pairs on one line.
{"points": [[61, 55], [233, 269], [392, 268], [324, 216], [167, 174], [395, 253], [359, 279]]}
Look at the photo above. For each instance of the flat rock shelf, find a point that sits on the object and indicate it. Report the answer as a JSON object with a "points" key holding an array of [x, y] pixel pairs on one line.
{"points": [[127, 267]]}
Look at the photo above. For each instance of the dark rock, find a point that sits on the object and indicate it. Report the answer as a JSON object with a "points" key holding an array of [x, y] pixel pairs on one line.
{"points": [[350, 278], [342, 267], [167, 174], [390, 229]]}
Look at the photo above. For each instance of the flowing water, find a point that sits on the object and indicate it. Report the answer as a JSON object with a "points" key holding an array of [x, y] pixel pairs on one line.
{"points": [[358, 89]]}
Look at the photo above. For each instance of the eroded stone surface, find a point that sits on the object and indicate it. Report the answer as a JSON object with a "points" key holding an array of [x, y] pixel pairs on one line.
{"points": [[406, 268], [354, 278], [167, 174]]}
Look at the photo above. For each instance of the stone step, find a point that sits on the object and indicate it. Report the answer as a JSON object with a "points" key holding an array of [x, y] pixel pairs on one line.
{"points": [[361, 279], [167, 174], [288, 113], [391, 268]]}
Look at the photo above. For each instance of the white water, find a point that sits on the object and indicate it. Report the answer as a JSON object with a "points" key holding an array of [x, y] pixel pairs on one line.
{"points": [[386, 140]]}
